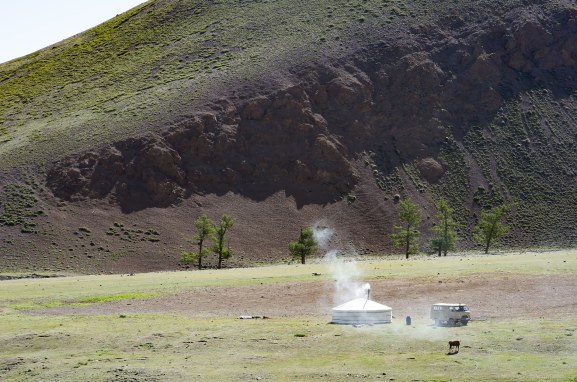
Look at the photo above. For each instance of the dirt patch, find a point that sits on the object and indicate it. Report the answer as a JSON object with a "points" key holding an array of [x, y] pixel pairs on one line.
{"points": [[489, 296]]}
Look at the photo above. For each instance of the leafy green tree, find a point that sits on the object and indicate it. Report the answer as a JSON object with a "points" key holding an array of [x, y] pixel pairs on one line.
{"points": [[204, 230], [219, 248], [445, 230], [408, 233], [491, 227], [305, 246]]}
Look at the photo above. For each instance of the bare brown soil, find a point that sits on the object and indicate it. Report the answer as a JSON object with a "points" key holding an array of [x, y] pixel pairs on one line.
{"points": [[90, 237], [489, 297]]}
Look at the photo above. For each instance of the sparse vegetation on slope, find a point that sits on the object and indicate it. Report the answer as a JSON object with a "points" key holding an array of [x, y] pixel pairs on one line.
{"points": [[292, 109]]}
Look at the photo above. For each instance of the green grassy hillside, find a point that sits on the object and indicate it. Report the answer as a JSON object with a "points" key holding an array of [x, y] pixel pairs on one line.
{"points": [[128, 75]]}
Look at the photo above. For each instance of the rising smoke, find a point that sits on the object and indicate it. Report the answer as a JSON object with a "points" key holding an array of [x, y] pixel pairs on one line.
{"points": [[349, 285], [343, 267]]}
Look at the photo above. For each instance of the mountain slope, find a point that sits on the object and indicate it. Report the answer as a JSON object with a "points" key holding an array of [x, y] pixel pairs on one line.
{"points": [[125, 75], [284, 113]]}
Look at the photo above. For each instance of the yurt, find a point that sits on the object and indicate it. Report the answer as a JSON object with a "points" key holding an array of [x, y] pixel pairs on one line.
{"points": [[362, 311]]}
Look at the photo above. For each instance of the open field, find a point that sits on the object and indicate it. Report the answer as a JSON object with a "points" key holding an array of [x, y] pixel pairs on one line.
{"points": [[185, 326]]}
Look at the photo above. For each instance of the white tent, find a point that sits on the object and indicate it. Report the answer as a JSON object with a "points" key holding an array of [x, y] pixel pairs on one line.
{"points": [[362, 311]]}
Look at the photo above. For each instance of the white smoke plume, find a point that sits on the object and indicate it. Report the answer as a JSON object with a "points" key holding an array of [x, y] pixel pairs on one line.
{"points": [[346, 273], [322, 235]]}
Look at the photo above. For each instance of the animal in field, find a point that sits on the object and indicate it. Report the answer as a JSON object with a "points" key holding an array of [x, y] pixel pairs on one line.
{"points": [[454, 346]]}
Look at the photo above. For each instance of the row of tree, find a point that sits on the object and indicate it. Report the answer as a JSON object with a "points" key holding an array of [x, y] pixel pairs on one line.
{"points": [[207, 230], [487, 232], [489, 229]]}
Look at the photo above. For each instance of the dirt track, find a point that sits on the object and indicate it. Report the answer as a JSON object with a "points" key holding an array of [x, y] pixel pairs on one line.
{"points": [[489, 296]]}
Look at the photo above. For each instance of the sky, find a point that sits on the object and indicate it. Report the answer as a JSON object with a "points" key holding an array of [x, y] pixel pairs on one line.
{"points": [[30, 25]]}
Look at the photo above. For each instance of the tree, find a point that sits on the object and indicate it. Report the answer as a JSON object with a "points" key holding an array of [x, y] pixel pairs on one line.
{"points": [[220, 230], [408, 234], [305, 246], [445, 233], [491, 227], [204, 230]]}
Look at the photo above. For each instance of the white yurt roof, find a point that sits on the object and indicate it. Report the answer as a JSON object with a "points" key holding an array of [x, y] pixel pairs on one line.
{"points": [[362, 305]]}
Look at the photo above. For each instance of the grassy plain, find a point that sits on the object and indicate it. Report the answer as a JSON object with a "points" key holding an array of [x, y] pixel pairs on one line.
{"points": [[36, 345]]}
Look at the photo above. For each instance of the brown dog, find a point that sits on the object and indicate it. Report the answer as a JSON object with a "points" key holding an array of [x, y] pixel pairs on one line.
{"points": [[454, 345]]}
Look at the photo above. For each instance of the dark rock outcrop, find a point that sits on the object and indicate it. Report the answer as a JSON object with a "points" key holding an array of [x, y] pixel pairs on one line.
{"points": [[399, 97]]}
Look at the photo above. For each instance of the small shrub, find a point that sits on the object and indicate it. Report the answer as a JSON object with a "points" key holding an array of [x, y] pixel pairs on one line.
{"points": [[351, 198]]}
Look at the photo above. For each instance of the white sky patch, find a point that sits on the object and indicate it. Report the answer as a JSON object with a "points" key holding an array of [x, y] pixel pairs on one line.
{"points": [[27, 26]]}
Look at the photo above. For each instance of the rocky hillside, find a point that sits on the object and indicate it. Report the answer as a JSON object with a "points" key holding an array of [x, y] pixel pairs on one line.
{"points": [[285, 114]]}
